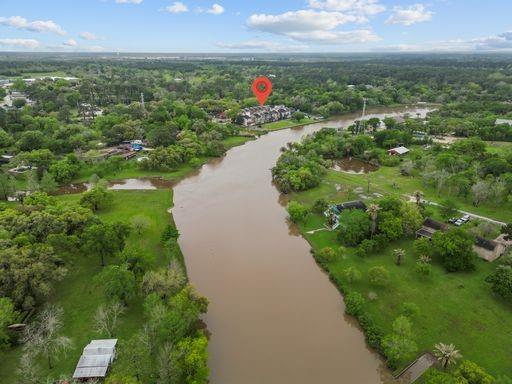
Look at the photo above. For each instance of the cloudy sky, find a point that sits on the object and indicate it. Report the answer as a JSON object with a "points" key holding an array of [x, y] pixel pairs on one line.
{"points": [[255, 26]]}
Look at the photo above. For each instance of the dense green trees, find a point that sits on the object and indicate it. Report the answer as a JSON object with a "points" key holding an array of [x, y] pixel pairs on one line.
{"points": [[104, 239], [501, 282], [455, 250]]}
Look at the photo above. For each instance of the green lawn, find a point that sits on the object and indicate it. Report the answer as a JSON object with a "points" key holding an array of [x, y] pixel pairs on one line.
{"points": [[388, 180], [282, 124], [499, 147], [455, 308], [80, 298]]}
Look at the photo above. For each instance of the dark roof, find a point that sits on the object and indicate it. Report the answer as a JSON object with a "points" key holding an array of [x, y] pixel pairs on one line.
{"points": [[425, 232], [435, 224], [356, 204], [490, 245]]}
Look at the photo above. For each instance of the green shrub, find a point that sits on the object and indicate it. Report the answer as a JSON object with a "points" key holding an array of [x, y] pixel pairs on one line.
{"points": [[320, 206], [297, 211], [352, 274], [410, 310], [379, 276], [354, 303], [326, 255]]}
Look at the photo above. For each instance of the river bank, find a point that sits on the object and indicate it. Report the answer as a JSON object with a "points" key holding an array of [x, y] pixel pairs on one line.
{"points": [[274, 316]]}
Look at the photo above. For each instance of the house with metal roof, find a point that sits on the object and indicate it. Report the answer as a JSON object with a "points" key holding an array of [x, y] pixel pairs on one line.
{"points": [[503, 121], [96, 359], [430, 227], [398, 151]]}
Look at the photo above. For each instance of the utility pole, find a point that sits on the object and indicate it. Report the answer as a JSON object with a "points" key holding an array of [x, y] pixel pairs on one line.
{"points": [[142, 100], [364, 112]]}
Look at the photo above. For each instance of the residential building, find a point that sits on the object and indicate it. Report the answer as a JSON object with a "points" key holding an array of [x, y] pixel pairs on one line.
{"points": [[96, 359], [398, 151], [263, 114]]}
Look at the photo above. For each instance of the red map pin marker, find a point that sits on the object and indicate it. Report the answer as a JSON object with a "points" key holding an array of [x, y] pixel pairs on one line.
{"points": [[262, 88]]}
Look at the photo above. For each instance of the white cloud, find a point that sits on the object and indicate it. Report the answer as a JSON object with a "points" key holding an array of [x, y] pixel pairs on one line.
{"points": [[495, 43], [416, 13], [176, 7], [300, 21], [129, 1], [216, 9], [313, 26], [89, 36], [70, 43], [336, 37], [263, 45], [19, 22], [23, 43], [361, 7]]}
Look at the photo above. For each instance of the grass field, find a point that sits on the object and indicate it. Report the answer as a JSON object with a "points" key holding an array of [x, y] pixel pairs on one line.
{"points": [[282, 124], [77, 295], [455, 308], [388, 180], [80, 298]]}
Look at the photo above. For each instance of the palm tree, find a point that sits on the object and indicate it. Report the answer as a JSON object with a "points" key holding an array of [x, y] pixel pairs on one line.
{"points": [[418, 195], [399, 255], [373, 211], [446, 354]]}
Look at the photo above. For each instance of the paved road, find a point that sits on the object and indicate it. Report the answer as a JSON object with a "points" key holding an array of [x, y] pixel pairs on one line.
{"points": [[474, 215]]}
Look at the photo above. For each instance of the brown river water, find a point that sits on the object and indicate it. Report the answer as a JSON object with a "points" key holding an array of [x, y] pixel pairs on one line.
{"points": [[274, 316]]}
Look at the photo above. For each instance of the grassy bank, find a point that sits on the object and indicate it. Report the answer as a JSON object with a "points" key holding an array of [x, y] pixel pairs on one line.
{"points": [[283, 124], [454, 308], [131, 168], [388, 181], [80, 298]]}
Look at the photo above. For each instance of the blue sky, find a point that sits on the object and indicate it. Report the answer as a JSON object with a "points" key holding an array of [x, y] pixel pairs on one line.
{"points": [[255, 26]]}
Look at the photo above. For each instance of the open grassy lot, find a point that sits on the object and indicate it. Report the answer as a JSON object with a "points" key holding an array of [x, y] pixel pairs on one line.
{"points": [[77, 294], [454, 308], [500, 147], [388, 180], [282, 124]]}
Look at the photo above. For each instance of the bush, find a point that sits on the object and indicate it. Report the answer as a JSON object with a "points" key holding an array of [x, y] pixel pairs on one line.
{"points": [[326, 255], [297, 211], [379, 276], [423, 269], [354, 303], [352, 274], [320, 206], [501, 281], [381, 241], [368, 246], [410, 310]]}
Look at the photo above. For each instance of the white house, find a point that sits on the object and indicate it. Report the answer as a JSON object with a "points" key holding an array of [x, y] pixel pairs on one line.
{"points": [[503, 121], [398, 151], [96, 359]]}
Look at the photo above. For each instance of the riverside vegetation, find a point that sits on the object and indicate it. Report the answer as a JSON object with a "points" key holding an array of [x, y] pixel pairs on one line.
{"points": [[409, 295], [106, 264]]}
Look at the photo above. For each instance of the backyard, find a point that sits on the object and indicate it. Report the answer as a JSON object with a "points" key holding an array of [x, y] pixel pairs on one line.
{"points": [[456, 308], [80, 297]]}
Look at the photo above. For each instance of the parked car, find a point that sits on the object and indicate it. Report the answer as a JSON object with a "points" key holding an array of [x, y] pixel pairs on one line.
{"points": [[458, 223], [465, 218], [452, 220]]}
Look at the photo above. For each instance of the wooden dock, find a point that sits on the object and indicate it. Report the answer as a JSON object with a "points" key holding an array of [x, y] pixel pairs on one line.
{"points": [[414, 370]]}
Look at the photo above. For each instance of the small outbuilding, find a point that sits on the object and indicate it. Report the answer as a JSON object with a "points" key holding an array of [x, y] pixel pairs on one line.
{"points": [[503, 121], [398, 151], [430, 227], [96, 359]]}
